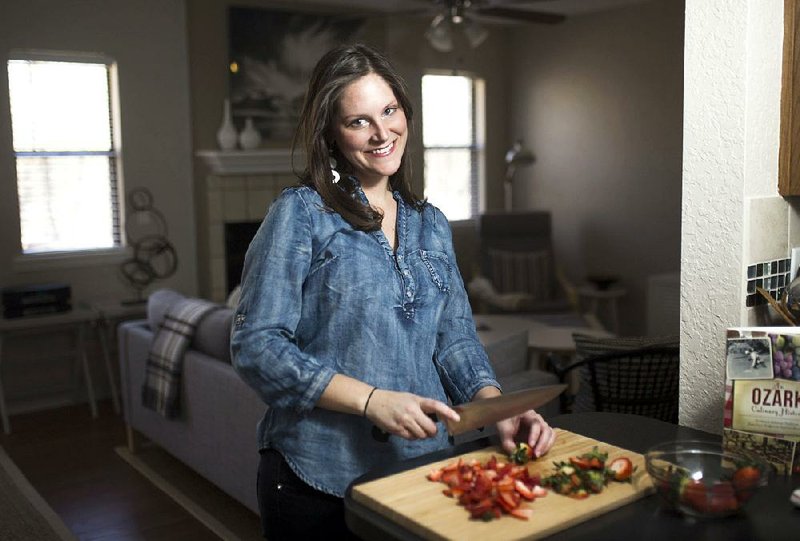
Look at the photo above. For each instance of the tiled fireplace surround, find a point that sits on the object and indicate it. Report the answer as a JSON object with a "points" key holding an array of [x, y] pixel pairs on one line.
{"points": [[239, 188]]}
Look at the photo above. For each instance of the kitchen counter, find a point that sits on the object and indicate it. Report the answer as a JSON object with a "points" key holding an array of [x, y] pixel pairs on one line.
{"points": [[769, 516]]}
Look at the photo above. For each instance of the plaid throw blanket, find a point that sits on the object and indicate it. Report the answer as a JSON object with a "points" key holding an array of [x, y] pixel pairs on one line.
{"points": [[162, 381]]}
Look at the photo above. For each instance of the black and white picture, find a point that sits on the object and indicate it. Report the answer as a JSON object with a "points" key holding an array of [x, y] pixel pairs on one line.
{"points": [[272, 53], [749, 358]]}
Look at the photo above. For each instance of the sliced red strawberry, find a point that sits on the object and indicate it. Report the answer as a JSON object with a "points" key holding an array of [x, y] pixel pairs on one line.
{"points": [[580, 462], [508, 500], [621, 468], [539, 491], [522, 513], [435, 475], [523, 490]]}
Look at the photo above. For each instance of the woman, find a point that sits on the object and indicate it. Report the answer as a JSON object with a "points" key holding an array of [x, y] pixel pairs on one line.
{"points": [[353, 313]]}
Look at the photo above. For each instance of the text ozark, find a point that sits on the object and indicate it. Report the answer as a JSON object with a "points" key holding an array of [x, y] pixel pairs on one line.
{"points": [[775, 397]]}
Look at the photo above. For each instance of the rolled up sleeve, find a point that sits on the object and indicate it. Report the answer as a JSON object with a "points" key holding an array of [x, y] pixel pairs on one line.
{"points": [[460, 357], [264, 349]]}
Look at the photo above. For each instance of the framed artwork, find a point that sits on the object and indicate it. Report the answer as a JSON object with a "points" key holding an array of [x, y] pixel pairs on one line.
{"points": [[272, 53]]}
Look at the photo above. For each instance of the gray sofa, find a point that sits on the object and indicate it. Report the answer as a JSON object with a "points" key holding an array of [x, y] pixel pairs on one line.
{"points": [[216, 435]]}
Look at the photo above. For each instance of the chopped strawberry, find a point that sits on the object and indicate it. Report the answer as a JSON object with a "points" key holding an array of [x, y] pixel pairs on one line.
{"points": [[435, 475], [522, 513], [620, 469], [451, 478], [539, 491], [580, 462], [508, 500], [524, 490]]}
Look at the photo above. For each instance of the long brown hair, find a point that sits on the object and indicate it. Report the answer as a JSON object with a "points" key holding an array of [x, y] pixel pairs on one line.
{"points": [[335, 70]]}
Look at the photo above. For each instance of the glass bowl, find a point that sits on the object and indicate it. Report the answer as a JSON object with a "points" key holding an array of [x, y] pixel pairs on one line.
{"points": [[702, 479]]}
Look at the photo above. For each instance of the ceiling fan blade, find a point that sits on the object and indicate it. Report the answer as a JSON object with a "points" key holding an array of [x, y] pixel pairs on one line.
{"points": [[521, 15]]}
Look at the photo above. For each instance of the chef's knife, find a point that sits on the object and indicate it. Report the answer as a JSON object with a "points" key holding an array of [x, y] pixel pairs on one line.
{"points": [[487, 411]]}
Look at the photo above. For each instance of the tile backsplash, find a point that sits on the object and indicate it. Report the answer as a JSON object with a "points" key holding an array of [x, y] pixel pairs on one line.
{"points": [[773, 276]]}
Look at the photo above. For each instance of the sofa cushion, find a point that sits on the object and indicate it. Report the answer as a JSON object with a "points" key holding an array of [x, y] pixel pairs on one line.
{"points": [[158, 303], [522, 272], [212, 336]]}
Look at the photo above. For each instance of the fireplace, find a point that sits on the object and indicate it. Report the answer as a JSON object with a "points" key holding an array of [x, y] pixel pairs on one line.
{"points": [[240, 186], [237, 239]]}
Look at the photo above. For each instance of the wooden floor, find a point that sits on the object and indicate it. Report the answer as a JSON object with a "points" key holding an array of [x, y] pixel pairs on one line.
{"points": [[69, 458]]}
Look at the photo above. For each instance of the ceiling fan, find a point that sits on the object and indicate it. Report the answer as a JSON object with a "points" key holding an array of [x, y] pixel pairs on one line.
{"points": [[466, 16]]}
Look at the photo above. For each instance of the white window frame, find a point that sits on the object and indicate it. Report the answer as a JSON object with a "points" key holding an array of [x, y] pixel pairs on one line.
{"points": [[36, 261], [478, 147]]}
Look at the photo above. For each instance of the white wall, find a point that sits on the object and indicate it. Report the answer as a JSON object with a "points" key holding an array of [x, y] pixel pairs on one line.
{"points": [[598, 99], [732, 213], [147, 38]]}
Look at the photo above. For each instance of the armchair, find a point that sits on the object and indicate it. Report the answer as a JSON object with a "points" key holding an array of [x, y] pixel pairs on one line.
{"points": [[517, 271]]}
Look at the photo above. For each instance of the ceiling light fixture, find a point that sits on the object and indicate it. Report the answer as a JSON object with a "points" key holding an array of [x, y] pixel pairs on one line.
{"points": [[441, 30]]}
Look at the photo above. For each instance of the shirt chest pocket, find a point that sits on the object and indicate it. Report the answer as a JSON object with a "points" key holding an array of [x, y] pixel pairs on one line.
{"points": [[432, 276]]}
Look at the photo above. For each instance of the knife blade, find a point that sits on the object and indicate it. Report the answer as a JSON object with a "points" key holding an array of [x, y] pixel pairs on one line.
{"points": [[491, 410], [485, 412]]}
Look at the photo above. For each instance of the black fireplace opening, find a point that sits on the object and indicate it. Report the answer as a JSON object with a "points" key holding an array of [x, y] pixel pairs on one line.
{"points": [[237, 239]]}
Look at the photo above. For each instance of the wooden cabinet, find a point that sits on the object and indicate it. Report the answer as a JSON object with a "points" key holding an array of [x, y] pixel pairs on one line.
{"points": [[789, 153]]}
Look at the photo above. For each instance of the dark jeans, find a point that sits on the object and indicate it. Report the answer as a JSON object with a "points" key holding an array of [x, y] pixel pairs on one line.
{"points": [[292, 510]]}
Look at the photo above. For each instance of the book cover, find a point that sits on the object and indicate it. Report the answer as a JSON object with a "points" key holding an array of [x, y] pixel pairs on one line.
{"points": [[762, 394]]}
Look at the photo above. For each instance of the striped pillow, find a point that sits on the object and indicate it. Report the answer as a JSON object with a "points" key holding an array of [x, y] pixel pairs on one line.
{"points": [[590, 346], [521, 272]]}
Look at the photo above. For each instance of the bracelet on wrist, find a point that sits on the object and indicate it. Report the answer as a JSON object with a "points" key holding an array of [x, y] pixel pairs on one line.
{"points": [[364, 414]]}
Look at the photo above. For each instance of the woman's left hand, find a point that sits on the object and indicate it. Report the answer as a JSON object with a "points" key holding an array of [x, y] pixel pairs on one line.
{"points": [[528, 427]]}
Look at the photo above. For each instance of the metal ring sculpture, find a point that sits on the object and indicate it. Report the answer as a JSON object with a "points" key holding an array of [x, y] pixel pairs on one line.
{"points": [[154, 257]]}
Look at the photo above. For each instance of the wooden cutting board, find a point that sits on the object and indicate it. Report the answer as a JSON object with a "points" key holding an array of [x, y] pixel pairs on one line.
{"points": [[409, 499]]}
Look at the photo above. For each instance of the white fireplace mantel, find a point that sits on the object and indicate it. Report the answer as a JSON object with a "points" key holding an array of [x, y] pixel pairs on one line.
{"points": [[250, 162]]}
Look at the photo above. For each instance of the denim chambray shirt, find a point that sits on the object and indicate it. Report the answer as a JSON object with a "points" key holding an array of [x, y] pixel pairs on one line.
{"points": [[320, 298]]}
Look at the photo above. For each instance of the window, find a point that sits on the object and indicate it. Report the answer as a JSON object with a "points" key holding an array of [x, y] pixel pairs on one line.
{"points": [[66, 156], [452, 134]]}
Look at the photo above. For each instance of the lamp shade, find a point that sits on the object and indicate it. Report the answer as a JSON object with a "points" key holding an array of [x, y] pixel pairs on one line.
{"points": [[519, 155], [475, 32], [439, 34]]}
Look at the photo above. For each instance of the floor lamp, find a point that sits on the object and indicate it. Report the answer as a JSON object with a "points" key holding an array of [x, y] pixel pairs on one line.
{"points": [[517, 156]]}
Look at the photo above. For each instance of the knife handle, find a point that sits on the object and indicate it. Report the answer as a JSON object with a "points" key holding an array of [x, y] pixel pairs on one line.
{"points": [[382, 436]]}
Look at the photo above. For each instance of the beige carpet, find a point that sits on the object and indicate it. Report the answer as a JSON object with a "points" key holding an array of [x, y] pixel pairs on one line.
{"points": [[220, 513], [24, 515]]}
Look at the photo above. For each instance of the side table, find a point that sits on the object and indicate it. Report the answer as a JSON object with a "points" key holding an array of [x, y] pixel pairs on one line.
{"points": [[76, 321], [607, 296], [108, 314]]}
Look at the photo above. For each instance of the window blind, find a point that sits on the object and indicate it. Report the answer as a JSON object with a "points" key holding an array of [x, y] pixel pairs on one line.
{"points": [[66, 158], [452, 140]]}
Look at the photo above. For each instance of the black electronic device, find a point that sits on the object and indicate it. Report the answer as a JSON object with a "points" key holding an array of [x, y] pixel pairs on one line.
{"points": [[34, 299]]}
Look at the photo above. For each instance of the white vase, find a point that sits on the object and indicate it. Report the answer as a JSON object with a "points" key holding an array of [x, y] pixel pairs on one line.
{"points": [[249, 139], [226, 134]]}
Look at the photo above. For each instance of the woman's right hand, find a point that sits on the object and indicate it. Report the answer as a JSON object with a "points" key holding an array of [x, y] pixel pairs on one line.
{"points": [[406, 414]]}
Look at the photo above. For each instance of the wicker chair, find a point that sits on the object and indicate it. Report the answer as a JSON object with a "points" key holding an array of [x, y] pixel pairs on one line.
{"points": [[638, 381]]}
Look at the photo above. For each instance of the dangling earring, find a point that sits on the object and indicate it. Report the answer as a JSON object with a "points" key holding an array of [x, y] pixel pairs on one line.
{"points": [[333, 164]]}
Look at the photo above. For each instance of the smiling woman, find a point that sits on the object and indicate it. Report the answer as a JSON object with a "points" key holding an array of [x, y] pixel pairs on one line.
{"points": [[371, 131], [353, 318]]}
